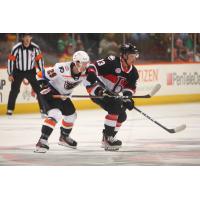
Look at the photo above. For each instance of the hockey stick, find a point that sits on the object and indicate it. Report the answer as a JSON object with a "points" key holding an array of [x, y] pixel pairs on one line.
{"points": [[152, 93], [175, 130]]}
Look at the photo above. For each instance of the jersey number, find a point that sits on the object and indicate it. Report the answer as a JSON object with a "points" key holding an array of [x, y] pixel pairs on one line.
{"points": [[100, 62], [51, 73]]}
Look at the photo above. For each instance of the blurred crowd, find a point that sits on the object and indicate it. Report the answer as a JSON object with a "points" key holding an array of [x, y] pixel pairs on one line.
{"points": [[154, 47]]}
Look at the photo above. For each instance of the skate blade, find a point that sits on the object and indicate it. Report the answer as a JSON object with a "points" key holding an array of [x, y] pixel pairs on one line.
{"points": [[40, 150], [108, 148], [67, 145]]}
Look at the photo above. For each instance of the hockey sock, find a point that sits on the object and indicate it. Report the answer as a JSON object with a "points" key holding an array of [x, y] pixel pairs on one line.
{"points": [[47, 128], [110, 124], [117, 127], [66, 128]]}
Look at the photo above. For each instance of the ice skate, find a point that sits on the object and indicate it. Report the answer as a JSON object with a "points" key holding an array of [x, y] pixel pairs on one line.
{"points": [[42, 146], [67, 142], [111, 143]]}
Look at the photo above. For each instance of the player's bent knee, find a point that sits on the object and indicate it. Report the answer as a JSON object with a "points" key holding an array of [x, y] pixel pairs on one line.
{"points": [[55, 114], [70, 118]]}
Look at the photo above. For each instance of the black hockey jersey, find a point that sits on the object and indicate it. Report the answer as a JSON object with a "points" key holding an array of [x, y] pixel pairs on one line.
{"points": [[112, 74]]}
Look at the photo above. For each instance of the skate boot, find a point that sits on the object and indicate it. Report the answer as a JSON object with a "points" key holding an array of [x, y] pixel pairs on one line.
{"points": [[42, 146], [67, 142], [103, 140], [111, 143]]}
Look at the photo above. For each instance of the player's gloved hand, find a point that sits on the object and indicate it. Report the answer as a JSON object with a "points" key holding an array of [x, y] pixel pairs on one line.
{"points": [[128, 103], [103, 92], [107, 93]]}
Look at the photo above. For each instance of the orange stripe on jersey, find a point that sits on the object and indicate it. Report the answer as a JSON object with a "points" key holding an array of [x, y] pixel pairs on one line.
{"points": [[90, 88], [39, 74], [38, 57], [66, 124], [11, 57], [112, 117], [50, 122]]}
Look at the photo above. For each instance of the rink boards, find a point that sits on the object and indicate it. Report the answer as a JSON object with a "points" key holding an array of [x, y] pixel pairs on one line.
{"points": [[180, 83]]}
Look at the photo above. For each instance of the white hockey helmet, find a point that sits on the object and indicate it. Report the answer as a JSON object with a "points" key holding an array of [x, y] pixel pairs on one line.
{"points": [[81, 56]]}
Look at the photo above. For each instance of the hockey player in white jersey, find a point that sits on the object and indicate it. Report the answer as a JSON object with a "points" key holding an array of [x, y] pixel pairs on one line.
{"points": [[61, 80]]}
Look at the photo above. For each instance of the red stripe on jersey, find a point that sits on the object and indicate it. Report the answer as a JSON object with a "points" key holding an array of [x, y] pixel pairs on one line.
{"points": [[67, 76], [66, 124], [111, 78], [91, 70], [112, 117]]}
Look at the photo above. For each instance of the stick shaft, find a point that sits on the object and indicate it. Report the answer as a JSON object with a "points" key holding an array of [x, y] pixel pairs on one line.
{"points": [[148, 117], [100, 97]]}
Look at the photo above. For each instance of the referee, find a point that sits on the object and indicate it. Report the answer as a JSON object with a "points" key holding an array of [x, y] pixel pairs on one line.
{"points": [[21, 64]]}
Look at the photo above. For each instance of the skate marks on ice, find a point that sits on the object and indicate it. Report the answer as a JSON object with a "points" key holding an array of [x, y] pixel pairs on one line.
{"points": [[143, 152]]}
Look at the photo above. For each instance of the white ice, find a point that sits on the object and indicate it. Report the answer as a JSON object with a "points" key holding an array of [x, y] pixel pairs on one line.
{"points": [[23, 131]]}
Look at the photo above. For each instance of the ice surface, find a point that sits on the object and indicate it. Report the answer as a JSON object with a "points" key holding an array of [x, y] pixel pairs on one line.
{"points": [[144, 143]]}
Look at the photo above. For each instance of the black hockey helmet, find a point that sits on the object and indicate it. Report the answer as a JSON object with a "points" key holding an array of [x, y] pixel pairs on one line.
{"points": [[24, 34], [129, 48]]}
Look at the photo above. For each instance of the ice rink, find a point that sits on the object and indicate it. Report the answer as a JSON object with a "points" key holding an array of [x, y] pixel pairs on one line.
{"points": [[144, 143]]}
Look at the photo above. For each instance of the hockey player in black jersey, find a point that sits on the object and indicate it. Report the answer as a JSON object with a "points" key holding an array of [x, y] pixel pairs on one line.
{"points": [[107, 78]]}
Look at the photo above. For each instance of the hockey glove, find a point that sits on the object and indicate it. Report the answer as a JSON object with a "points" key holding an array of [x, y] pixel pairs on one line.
{"points": [[128, 103]]}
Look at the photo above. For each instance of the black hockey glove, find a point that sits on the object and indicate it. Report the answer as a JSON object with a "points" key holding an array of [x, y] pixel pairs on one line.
{"points": [[128, 103], [107, 95]]}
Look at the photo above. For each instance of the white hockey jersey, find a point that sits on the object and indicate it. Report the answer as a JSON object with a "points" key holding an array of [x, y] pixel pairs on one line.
{"points": [[61, 78]]}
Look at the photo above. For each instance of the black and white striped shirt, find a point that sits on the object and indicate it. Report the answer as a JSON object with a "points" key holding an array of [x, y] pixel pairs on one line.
{"points": [[24, 59]]}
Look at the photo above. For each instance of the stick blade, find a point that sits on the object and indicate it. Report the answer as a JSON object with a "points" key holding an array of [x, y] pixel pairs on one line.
{"points": [[155, 90], [178, 129]]}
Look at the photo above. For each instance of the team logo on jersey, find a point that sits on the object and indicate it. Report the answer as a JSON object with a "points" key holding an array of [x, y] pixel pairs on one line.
{"points": [[118, 70], [69, 85]]}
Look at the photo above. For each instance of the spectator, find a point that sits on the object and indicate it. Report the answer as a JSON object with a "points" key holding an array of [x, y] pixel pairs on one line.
{"points": [[190, 46], [108, 46], [180, 51], [197, 54], [79, 44], [64, 42], [67, 55]]}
